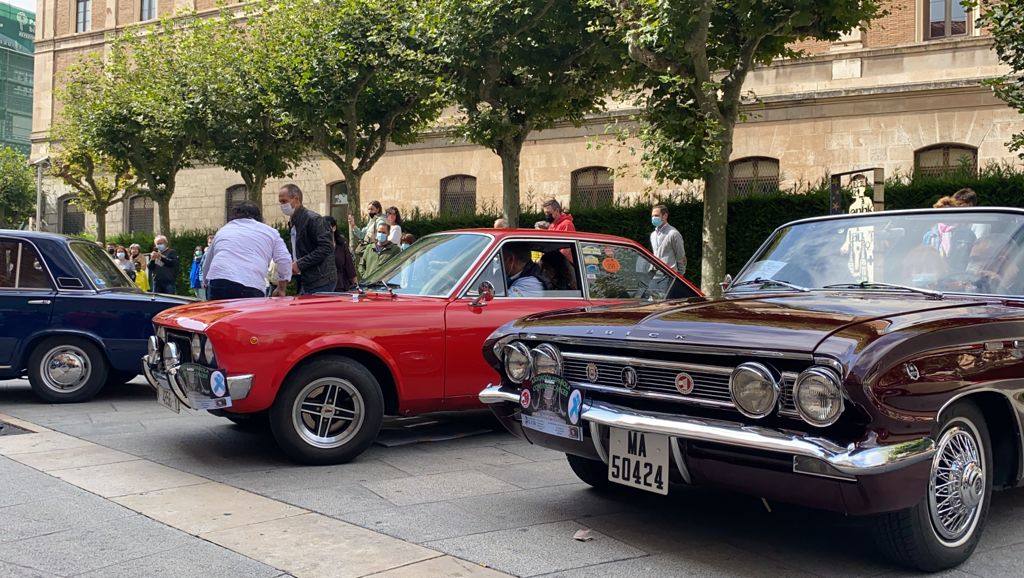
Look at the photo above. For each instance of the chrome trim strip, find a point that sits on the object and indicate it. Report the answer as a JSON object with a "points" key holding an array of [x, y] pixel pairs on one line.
{"points": [[641, 362], [662, 345], [495, 394], [595, 436], [239, 386], [865, 458], [677, 454], [5, 366], [651, 395]]}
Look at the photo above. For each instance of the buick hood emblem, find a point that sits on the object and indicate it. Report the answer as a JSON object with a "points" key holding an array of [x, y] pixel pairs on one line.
{"points": [[630, 377]]}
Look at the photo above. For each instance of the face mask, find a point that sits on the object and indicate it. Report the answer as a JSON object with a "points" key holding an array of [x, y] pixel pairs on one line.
{"points": [[120, 255], [381, 237], [110, 250], [287, 209], [372, 214], [160, 247], [656, 221], [549, 217], [199, 253], [404, 246]]}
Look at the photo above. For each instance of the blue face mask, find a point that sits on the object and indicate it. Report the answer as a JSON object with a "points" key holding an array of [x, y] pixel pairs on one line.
{"points": [[160, 247], [656, 221], [381, 237]]}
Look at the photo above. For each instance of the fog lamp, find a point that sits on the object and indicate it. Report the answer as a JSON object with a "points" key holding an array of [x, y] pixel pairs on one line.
{"points": [[818, 396], [196, 347], [754, 389], [208, 351], [171, 357], [518, 363]]}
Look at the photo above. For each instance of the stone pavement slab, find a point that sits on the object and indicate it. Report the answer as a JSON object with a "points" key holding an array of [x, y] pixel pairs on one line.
{"points": [[77, 457], [442, 566], [438, 487], [124, 478]]}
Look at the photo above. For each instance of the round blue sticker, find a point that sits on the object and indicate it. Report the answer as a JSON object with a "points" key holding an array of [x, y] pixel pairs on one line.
{"points": [[218, 385], [574, 407]]}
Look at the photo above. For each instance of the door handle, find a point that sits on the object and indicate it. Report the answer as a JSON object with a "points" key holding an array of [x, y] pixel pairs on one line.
{"points": [[39, 302]]}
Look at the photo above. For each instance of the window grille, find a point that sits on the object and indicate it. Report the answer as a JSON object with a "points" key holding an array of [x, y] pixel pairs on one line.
{"points": [[458, 195], [753, 175], [591, 187], [945, 159], [140, 214], [72, 217]]}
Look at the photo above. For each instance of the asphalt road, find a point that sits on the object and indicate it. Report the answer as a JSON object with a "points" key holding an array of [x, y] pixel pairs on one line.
{"points": [[487, 498]]}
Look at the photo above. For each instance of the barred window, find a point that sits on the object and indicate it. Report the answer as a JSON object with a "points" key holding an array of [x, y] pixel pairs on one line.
{"points": [[147, 10], [72, 217], [234, 196], [945, 18], [83, 15], [945, 159], [591, 187], [337, 193], [753, 175], [458, 195], [140, 214]]}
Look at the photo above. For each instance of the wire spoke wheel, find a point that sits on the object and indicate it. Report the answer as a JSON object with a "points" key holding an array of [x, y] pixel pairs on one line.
{"points": [[956, 491], [65, 368], [328, 412]]}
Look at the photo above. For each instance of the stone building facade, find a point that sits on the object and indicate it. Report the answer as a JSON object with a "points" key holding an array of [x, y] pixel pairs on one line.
{"points": [[903, 95]]}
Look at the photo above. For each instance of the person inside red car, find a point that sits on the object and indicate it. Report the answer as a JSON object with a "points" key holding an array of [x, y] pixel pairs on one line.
{"points": [[524, 276]]}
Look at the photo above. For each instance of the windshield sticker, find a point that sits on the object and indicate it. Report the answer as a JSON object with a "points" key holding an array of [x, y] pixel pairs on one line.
{"points": [[591, 250], [609, 251], [592, 270], [99, 282], [591, 260], [765, 269], [611, 265], [860, 247]]}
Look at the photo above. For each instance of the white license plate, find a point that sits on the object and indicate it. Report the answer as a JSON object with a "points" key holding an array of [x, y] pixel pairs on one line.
{"points": [[166, 398], [638, 460]]}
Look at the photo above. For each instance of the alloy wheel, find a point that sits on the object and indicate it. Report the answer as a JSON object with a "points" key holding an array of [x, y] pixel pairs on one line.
{"points": [[328, 412], [956, 491], [65, 368]]}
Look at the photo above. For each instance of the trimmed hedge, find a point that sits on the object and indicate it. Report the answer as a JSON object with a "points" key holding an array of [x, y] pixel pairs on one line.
{"points": [[751, 219]]}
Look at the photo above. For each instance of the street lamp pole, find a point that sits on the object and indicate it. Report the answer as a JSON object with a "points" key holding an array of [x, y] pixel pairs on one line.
{"points": [[40, 165]]}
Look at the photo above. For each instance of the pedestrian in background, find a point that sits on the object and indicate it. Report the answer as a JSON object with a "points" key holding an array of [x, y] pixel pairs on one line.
{"points": [[382, 251], [407, 240], [141, 270], [123, 262], [312, 244], [557, 219], [195, 274], [363, 236], [394, 219], [667, 245], [111, 249], [343, 260], [235, 265], [500, 223], [163, 266]]}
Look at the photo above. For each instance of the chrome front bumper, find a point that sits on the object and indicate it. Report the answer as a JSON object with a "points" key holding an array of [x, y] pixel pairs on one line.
{"points": [[811, 455], [238, 385]]}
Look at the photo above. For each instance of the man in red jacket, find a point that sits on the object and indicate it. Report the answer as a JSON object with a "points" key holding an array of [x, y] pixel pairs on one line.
{"points": [[553, 214]]}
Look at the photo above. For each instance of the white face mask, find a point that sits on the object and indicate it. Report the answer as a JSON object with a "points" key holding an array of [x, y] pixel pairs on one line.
{"points": [[287, 209], [120, 255]]}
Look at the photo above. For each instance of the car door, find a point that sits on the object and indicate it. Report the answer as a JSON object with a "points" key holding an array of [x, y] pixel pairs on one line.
{"points": [[469, 322], [26, 297], [615, 273]]}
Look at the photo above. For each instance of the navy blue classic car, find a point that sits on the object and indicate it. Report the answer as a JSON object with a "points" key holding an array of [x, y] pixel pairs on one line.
{"points": [[69, 318]]}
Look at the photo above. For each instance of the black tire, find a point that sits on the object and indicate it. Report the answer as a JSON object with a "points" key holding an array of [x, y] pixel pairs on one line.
{"points": [[292, 428], [910, 537], [592, 472], [250, 422], [70, 355]]}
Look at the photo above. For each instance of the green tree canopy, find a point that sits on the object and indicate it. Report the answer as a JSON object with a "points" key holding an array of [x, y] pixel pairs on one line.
{"points": [[17, 189], [518, 66], [1005, 21], [353, 75], [696, 55]]}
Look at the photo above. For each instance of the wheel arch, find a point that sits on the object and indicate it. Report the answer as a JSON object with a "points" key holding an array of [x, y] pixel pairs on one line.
{"points": [[32, 342], [1005, 432], [381, 369]]}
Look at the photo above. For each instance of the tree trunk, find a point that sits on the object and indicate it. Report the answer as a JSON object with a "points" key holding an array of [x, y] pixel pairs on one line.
{"points": [[101, 225], [353, 185], [254, 188], [509, 153], [163, 211], [716, 217]]}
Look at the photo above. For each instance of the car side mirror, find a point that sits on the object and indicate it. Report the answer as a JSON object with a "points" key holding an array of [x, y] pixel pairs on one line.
{"points": [[485, 294], [726, 283]]}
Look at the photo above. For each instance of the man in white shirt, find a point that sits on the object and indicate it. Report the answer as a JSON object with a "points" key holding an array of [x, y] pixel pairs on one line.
{"points": [[235, 265], [667, 245]]}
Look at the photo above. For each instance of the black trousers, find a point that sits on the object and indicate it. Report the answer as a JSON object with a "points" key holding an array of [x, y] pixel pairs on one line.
{"points": [[224, 289]]}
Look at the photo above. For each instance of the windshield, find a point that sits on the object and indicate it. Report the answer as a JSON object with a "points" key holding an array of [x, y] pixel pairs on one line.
{"points": [[951, 251], [99, 267], [432, 266]]}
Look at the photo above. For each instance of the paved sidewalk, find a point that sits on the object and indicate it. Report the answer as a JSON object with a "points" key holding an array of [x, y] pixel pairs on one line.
{"points": [[496, 501]]}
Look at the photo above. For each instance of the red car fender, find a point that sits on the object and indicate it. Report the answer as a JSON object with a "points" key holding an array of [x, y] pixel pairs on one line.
{"points": [[328, 342]]}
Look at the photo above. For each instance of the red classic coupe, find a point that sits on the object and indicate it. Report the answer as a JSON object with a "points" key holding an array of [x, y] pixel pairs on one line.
{"points": [[325, 370]]}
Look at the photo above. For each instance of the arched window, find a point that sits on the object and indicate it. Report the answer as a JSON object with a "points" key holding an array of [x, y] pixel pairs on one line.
{"points": [[337, 194], [753, 175], [234, 196], [458, 195], [591, 187], [72, 217], [945, 159], [140, 214]]}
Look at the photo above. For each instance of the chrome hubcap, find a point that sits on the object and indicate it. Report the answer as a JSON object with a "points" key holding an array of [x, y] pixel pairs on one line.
{"points": [[957, 487], [65, 368], [328, 412]]}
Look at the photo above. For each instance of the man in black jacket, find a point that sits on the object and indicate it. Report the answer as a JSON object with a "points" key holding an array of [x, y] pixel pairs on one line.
{"points": [[163, 265], [312, 244]]}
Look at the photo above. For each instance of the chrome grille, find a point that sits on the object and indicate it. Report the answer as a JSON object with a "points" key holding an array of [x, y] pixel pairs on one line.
{"points": [[787, 405], [184, 343]]}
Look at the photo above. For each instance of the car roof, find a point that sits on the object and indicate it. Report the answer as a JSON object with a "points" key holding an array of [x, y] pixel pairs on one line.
{"points": [[500, 234], [23, 234], [944, 211]]}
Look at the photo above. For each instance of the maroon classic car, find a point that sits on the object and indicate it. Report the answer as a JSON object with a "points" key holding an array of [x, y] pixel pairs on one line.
{"points": [[868, 364]]}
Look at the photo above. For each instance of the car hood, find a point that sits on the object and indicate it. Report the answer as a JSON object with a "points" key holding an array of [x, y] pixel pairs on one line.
{"points": [[200, 316], [784, 322]]}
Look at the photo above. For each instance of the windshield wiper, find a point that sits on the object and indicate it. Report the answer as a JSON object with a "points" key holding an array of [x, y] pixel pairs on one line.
{"points": [[762, 281], [386, 285], [872, 285]]}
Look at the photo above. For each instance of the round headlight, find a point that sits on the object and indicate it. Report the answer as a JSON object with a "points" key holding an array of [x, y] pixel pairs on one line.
{"points": [[547, 359], [208, 351], [818, 395], [171, 358], [518, 364], [754, 389], [197, 348]]}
